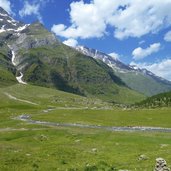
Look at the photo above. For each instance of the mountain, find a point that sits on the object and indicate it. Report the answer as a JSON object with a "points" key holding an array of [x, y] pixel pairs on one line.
{"points": [[7, 23], [35, 56], [140, 80], [7, 69], [160, 100]]}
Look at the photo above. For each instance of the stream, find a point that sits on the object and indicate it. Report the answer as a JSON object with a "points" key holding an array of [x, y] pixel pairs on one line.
{"points": [[27, 119]]}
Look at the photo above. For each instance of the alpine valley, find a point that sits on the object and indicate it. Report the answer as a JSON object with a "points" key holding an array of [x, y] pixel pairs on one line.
{"points": [[76, 109], [31, 54]]}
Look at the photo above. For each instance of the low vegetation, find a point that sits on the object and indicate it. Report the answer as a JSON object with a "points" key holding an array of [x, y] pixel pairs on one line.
{"points": [[157, 101], [29, 147]]}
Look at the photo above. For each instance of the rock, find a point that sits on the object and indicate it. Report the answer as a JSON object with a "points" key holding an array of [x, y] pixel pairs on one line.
{"points": [[161, 165], [94, 150], [163, 145], [143, 157], [77, 141]]}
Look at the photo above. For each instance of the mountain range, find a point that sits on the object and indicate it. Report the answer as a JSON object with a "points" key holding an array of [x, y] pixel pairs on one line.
{"points": [[30, 54], [140, 80]]}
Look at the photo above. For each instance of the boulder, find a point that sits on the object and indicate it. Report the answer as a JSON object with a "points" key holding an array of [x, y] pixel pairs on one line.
{"points": [[161, 165]]}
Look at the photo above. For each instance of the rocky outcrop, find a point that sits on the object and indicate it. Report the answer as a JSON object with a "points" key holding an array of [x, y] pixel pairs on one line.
{"points": [[161, 165]]}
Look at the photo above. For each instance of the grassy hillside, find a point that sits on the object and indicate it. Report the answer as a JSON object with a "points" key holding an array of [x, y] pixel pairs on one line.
{"points": [[143, 83], [157, 101], [7, 71], [29, 147], [44, 98], [65, 69], [6, 78]]}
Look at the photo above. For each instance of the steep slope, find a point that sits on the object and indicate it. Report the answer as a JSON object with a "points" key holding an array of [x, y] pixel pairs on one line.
{"points": [[7, 70], [160, 100], [137, 79], [8, 26], [40, 59], [65, 69]]}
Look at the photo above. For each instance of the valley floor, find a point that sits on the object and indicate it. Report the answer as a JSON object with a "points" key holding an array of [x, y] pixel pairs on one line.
{"points": [[27, 146]]}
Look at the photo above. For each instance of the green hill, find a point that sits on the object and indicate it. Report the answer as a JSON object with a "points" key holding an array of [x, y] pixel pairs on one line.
{"points": [[7, 70], [160, 100], [144, 83], [19, 96], [73, 72], [45, 61]]}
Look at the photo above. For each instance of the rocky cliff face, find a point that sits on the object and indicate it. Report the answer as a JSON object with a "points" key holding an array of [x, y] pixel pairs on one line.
{"points": [[33, 36]]}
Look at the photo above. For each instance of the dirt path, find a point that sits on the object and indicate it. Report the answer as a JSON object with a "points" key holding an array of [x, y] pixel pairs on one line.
{"points": [[15, 98]]}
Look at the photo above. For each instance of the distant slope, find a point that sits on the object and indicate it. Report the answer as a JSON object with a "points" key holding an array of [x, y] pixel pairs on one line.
{"points": [[144, 83], [44, 61], [160, 100], [137, 79]]}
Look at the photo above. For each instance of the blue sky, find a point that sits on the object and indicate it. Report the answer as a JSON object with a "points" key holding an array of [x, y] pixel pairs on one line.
{"points": [[135, 31]]}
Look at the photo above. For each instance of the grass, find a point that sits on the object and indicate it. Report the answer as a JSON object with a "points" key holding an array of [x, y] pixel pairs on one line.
{"points": [[78, 149], [42, 148], [114, 117], [46, 97]]}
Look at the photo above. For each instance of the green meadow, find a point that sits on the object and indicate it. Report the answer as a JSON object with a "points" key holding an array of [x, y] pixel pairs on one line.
{"points": [[31, 147]]}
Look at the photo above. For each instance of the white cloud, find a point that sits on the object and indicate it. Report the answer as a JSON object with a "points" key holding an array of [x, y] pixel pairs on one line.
{"points": [[141, 42], [6, 5], [114, 55], [140, 53], [161, 69], [29, 9], [167, 36], [33, 8], [71, 42], [86, 22], [128, 18]]}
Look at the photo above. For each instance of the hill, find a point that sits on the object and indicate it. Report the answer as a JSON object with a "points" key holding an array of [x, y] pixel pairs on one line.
{"points": [[39, 58], [157, 101]]}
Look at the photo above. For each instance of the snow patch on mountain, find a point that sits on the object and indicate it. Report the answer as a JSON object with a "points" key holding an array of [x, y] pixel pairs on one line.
{"points": [[4, 15], [22, 28], [19, 29]]}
